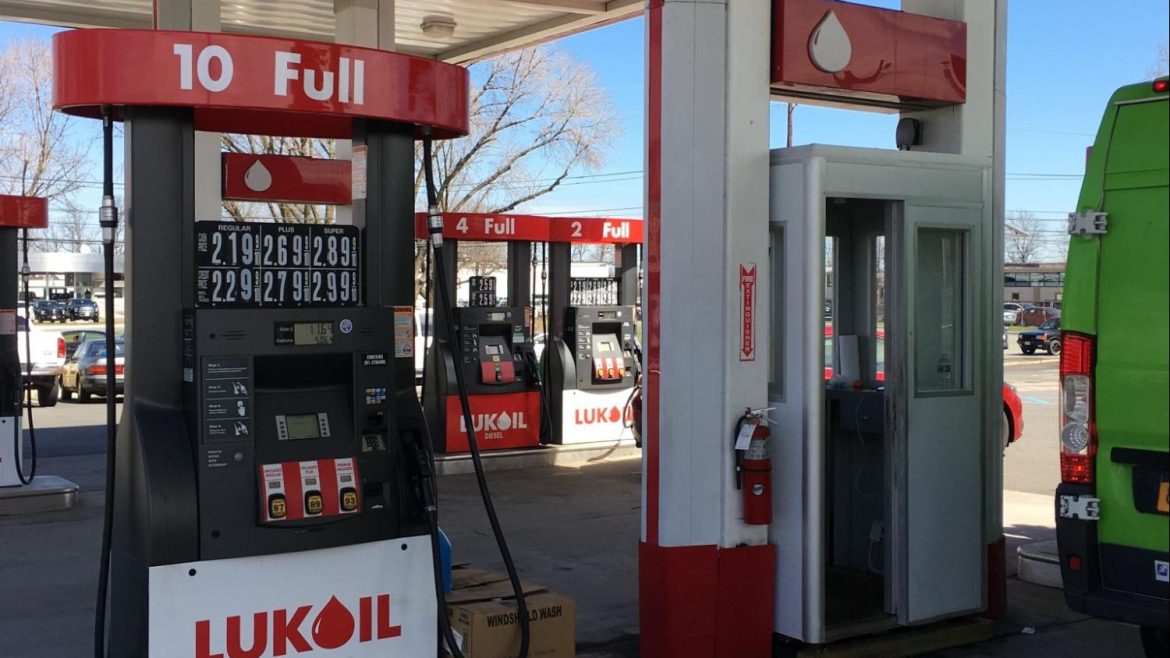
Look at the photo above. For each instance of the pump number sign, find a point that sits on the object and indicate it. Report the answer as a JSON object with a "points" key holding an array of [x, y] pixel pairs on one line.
{"points": [[239, 265]]}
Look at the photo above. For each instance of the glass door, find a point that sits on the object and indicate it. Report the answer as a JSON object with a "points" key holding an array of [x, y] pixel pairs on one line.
{"points": [[937, 540]]}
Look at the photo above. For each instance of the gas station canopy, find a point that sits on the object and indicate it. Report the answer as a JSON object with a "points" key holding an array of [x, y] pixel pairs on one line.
{"points": [[448, 30]]}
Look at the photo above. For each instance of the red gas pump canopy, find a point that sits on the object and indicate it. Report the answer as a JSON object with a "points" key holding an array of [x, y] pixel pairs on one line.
{"points": [[257, 85], [23, 211], [504, 227]]}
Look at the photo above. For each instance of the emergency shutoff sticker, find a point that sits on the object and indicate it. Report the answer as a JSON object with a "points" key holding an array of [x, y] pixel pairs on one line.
{"points": [[294, 491]]}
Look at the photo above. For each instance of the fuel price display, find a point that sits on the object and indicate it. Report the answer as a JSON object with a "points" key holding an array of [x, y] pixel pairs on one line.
{"points": [[241, 265]]}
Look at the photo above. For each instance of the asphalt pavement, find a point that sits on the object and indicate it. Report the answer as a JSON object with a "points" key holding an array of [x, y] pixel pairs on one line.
{"points": [[572, 529]]}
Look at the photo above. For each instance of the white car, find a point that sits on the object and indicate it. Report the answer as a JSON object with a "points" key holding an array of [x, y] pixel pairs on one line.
{"points": [[422, 342], [48, 356]]}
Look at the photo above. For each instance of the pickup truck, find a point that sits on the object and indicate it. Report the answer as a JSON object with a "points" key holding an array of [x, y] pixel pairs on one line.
{"points": [[48, 356]]}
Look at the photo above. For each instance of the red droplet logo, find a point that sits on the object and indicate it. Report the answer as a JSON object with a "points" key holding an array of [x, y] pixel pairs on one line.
{"points": [[615, 415], [333, 626]]}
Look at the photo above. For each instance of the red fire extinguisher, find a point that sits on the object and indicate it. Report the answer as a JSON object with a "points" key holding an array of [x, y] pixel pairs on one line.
{"points": [[754, 471]]}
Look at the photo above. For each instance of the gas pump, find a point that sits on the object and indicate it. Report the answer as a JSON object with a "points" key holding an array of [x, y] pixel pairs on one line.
{"points": [[16, 214], [271, 485], [590, 362], [492, 344]]}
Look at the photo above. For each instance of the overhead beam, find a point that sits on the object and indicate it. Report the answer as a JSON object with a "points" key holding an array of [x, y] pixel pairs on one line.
{"points": [[554, 28], [22, 11], [569, 6]]}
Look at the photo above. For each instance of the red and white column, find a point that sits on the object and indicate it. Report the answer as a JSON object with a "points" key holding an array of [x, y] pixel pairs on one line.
{"points": [[706, 578]]}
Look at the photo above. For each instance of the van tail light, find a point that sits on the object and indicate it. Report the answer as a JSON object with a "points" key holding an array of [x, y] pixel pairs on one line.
{"points": [[1078, 422], [60, 348]]}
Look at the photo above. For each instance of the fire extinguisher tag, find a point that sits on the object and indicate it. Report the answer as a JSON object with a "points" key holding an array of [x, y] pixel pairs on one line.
{"points": [[743, 440]]}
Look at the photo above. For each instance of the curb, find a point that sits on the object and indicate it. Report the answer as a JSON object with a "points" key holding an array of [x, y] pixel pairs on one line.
{"points": [[1039, 564]]}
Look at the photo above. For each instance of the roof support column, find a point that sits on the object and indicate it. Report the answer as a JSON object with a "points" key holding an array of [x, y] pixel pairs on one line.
{"points": [[706, 578], [198, 16], [366, 23]]}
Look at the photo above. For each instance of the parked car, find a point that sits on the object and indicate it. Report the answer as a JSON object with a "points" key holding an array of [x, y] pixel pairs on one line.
{"points": [[75, 337], [85, 372], [49, 311], [1013, 312], [1037, 316], [1046, 338], [48, 355], [1013, 415], [424, 330], [82, 309]]}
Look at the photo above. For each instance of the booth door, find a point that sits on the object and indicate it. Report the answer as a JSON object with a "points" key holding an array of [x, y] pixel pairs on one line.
{"points": [[937, 537]]}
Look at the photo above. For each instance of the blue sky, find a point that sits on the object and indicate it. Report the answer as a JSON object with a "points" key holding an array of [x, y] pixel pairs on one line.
{"points": [[1064, 60]]}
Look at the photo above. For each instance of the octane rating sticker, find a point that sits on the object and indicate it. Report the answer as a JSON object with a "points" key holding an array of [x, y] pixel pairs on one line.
{"points": [[346, 326]]}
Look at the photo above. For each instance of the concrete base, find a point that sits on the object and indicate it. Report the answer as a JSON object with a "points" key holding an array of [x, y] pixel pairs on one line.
{"points": [[914, 641], [576, 454], [1040, 563], [46, 493]]}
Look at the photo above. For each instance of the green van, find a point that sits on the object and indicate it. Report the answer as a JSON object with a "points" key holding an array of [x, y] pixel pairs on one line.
{"points": [[1112, 504]]}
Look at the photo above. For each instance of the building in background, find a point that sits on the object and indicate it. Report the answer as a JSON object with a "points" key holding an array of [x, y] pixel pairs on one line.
{"points": [[1033, 282]]}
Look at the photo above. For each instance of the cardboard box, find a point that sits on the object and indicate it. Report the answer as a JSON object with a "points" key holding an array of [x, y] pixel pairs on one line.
{"points": [[485, 623]]}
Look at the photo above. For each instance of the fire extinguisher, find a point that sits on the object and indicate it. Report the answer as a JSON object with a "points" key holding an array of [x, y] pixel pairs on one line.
{"points": [[753, 468]]}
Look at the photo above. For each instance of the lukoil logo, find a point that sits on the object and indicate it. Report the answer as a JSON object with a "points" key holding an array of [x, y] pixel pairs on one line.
{"points": [[497, 422], [601, 415], [282, 630]]}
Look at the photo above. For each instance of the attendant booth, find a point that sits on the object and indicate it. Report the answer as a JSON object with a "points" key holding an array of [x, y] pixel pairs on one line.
{"points": [[878, 258]]}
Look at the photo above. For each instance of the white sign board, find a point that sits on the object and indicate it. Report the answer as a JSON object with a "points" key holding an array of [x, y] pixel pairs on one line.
{"points": [[365, 600], [590, 416]]}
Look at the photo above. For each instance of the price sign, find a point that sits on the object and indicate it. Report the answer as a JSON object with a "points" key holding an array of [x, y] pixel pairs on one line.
{"points": [[242, 265]]}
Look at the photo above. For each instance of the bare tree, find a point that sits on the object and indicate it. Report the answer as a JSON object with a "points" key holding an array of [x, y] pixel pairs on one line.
{"points": [[1023, 238], [536, 115], [293, 213], [1161, 65], [42, 153]]}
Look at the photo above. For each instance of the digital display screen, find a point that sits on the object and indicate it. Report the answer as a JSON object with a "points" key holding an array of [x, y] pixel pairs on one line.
{"points": [[496, 317], [249, 265], [313, 333], [302, 426], [606, 346], [491, 350]]}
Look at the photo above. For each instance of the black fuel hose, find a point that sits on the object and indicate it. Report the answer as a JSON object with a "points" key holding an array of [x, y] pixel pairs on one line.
{"points": [[26, 391], [435, 226], [108, 218]]}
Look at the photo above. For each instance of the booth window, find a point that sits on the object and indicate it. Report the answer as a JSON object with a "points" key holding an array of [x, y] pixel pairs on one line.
{"points": [[776, 354], [879, 307], [830, 304], [940, 310]]}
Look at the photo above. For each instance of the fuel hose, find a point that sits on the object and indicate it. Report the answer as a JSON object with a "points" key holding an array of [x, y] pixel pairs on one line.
{"points": [[108, 219], [27, 390], [435, 227]]}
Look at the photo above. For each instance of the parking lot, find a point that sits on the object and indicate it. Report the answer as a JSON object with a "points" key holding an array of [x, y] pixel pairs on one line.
{"points": [[572, 529]]}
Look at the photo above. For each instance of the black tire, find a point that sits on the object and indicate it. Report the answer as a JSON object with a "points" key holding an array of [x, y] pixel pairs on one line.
{"points": [[1028, 350], [66, 394], [1154, 641], [1054, 347], [1007, 429], [83, 395], [47, 394]]}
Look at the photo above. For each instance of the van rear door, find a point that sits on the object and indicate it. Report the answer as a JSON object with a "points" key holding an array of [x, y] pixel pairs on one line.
{"points": [[1131, 386]]}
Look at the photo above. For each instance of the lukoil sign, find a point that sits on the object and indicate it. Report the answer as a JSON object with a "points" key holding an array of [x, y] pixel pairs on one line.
{"points": [[361, 601]]}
